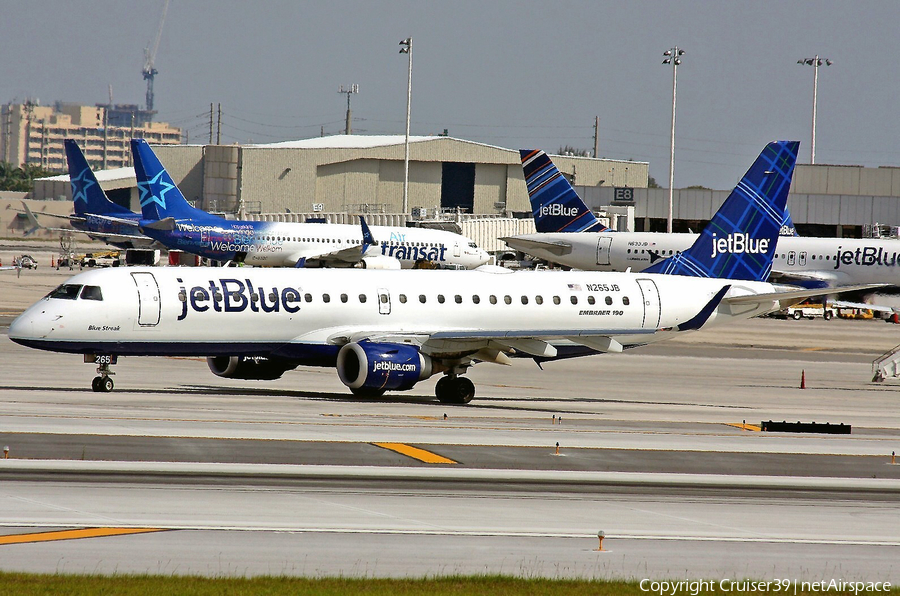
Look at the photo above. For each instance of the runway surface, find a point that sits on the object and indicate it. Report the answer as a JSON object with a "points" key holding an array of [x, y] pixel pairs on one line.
{"points": [[657, 448]]}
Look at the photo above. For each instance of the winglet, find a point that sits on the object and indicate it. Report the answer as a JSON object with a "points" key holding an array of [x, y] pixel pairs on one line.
{"points": [[701, 317], [368, 240], [555, 205], [740, 240]]}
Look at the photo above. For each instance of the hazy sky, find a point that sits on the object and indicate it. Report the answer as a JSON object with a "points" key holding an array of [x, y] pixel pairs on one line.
{"points": [[512, 73]]}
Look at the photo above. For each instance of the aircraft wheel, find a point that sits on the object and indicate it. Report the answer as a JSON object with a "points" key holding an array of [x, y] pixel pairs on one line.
{"points": [[441, 390], [457, 390], [106, 384], [95, 384]]}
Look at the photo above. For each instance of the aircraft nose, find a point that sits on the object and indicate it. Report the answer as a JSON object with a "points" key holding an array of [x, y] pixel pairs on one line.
{"points": [[22, 327]]}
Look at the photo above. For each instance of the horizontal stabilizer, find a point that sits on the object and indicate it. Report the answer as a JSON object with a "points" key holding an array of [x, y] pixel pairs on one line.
{"points": [[166, 224]]}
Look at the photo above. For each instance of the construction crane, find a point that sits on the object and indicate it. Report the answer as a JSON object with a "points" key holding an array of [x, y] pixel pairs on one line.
{"points": [[149, 71]]}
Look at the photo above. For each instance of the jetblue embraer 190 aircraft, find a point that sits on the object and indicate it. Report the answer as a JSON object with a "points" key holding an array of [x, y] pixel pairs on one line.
{"points": [[388, 330], [286, 244], [812, 262]]}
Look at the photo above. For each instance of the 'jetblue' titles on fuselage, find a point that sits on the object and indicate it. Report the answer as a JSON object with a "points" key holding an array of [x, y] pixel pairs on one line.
{"points": [[557, 209], [234, 295], [739, 244], [866, 256]]}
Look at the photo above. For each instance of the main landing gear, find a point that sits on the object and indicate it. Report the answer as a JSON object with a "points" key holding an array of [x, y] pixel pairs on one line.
{"points": [[453, 389]]}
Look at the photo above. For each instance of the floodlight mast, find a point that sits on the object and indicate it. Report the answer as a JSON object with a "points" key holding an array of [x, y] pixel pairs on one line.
{"points": [[673, 57], [815, 63]]}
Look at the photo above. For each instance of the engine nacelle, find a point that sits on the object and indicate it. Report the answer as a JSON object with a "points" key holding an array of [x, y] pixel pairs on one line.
{"points": [[379, 262], [257, 368], [368, 365]]}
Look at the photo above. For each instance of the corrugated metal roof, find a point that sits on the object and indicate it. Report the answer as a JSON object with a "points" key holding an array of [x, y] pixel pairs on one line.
{"points": [[358, 142], [101, 175]]}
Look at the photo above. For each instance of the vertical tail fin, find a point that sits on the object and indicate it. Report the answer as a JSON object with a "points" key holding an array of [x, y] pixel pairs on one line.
{"points": [[160, 198], [787, 226], [740, 240], [555, 205], [368, 239], [87, 195]]}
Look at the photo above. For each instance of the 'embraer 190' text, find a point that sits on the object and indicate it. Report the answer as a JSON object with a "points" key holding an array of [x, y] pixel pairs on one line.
{"points": [[234, 295], [739, 243]]}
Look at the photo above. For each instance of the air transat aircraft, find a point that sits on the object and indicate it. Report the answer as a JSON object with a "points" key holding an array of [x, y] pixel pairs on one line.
{"points": [[286, 244], [388, 330], [812, 262], [95, 215]]}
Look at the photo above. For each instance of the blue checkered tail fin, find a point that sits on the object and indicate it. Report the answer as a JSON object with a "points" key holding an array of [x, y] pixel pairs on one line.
{"points": [[740, 240]]}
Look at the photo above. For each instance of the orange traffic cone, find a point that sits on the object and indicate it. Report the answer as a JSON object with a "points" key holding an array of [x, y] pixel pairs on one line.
{"points": [[803, 379]]}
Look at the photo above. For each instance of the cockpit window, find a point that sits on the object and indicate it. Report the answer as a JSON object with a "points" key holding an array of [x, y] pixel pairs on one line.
{"points": [[91, 293], [65, 292]]}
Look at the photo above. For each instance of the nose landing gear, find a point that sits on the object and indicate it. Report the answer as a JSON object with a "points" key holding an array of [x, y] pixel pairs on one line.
{"points": [[102, 383]]}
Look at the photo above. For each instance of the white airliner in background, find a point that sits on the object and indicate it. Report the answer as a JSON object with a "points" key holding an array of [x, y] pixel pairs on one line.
{"points": [[277, 244], [388, 330], [815, 262]]}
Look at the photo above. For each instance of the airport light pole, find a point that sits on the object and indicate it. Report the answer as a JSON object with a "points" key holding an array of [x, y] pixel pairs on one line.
{"points": [[673, 57], [815, 63], [406, 48], [354, 88]]}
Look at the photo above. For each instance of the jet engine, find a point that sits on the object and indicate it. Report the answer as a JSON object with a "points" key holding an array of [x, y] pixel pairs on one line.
{"points": [[257, 368], [373, 368]]}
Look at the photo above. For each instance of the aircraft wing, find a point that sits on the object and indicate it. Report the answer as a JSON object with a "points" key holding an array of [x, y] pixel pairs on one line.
{"points": [[864, 306], [800, 277], [556, 247], [349, 254], [793, 294]]}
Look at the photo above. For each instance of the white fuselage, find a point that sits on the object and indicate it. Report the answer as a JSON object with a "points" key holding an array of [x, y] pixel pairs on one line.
{"points": [[282, 244], [837, 260], [295, 313]]}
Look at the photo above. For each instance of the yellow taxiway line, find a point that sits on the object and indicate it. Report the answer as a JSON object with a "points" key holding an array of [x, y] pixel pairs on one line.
{"points": [[753, 427], [73, 534], [416, 453]]}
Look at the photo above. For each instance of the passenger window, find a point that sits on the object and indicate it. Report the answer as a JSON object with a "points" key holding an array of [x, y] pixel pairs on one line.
{"points": [[440, 298], [608, 300], [362, 298], [507, 299], [574, 299], [402, 298], [590, 300], [422, 298], [539, 299], [493, 299], [524, 299], [458, 299], [326, 298], [93, 293], [273, 297], [308, 297], [218, 297], [625, 300], [476, 299], [344, 298]]}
